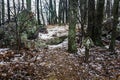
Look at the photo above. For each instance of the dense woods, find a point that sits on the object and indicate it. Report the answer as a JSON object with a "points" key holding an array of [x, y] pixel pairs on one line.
{"points": [[59, 40]]}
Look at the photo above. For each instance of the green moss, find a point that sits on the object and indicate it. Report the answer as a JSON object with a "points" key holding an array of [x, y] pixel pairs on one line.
{"points": [[56, 40]]}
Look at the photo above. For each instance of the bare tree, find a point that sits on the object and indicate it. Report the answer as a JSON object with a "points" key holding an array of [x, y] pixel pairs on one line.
{"points": [[28, 3], [99, 21], [91, 18], [3, 11], [8, 9], [22, 4], [73, 4], [0, 13], [38, 13], [114, 27], [41, 9]]}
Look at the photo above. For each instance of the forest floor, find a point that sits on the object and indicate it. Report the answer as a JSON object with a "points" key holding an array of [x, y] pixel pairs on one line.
{"points": [[57, 64]]}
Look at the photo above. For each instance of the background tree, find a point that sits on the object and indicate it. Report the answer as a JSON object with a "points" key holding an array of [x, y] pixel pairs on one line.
{"points": [[114, 27], [99, 21], [73, 5], [38, 12], [60, 12], [28, 3], [82, 18], [55, 13], [52, 12], [41, 10], [22, 5], [0, 12], [91, 19], [18, 39], [83, 11], [108, 8], [63, 11], [19, 6], [8, 9], [66, 11], [3, 11]]}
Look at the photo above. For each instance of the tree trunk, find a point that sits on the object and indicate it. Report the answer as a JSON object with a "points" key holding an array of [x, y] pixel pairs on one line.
{"points": [[108, 8], [91, 18], [55, 14], [22, 4], [42, 13], [66, 5], [8, 10], [0, 12], [18, 38], [19, 6], [52, 12], [99, 20], [3, 11], [0, 18], [63, 12], [72, 26], [28, 3], [38, 13], [115, 22], [82, 19], [86, 55], [60, 12]]}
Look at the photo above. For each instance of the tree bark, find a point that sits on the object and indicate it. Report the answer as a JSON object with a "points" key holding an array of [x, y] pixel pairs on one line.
{"points": [[38, 13], [52, 12], [19, 6], [28, 3], [91, 19], [42, 13], [99, 19], [66, 10], [108, 8], [60, 12], [22, 4], [18, 38], [55, 14], [114, 27], [8, 10], [73, 4], [0, 13], [3, 11]]}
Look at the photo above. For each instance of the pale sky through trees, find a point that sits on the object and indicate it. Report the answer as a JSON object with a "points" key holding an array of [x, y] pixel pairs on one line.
{"points": [[33, 5]]}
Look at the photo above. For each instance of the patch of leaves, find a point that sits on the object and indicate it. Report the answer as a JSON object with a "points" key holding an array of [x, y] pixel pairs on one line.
{"points": [[57, 64]]}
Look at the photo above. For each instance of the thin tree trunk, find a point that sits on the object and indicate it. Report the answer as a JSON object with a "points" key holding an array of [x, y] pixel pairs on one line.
{"points": [[3, 11], [99, 20], [42, 12], [0, 12], [0, 15], [55, 14], [82, 19], [108, 8], [91, 18], [66, 5], [60, 12], [115, 22], [18, 38], [28, 3], [63, 13], [8, 10], [19, 5], [22, 4], [38, 13], [72, 26]]}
